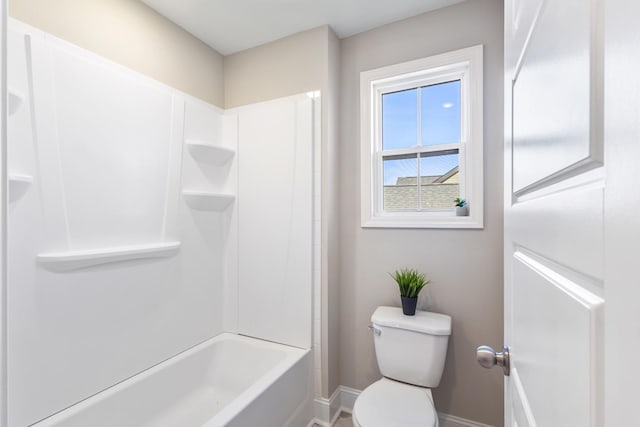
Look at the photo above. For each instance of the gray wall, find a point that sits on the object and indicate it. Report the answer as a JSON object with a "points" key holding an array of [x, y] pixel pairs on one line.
{"points": [[465, 265], [134, 35]]}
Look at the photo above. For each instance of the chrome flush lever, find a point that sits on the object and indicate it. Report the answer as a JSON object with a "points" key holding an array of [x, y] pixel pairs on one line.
{"points": [[377, 332], [487, 357]]}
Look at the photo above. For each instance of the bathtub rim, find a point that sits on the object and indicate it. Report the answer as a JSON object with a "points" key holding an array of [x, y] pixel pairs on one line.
{"points": [[293, 355]]}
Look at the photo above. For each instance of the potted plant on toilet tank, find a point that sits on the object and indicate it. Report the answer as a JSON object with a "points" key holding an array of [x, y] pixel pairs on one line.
{"points": [[410, 281]]}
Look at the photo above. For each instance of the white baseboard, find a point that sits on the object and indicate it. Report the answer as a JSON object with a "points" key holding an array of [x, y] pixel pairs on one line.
{"points": [[348, 398], [447, 420], [327, 411]]}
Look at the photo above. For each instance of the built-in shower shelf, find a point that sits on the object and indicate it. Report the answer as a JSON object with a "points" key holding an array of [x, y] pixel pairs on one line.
{"points": [[208, 153], [15, 102], [20, 179], [75, 260], [206, 201], [18, 185]]}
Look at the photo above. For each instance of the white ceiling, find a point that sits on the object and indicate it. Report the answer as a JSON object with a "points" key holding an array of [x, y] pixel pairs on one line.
{"points": [[233, 25]]}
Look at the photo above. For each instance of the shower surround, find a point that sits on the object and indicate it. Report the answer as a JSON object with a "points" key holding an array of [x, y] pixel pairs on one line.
{"points": [[148, 230]]}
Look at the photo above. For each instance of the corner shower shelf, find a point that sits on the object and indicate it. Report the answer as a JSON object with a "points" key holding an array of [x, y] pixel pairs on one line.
{"points": [[15, 102], [20, 180], [209, 153], [18, 185], [205, 201], [74, 260]]}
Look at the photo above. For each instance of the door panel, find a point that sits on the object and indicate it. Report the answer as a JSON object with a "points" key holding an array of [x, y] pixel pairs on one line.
{"points": [[556, 324], [523, 13], [554, 201], [548, 224], [552, 97], [521, 414]]}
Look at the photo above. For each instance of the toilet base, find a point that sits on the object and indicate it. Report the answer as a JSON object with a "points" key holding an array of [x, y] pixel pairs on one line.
{"points": [[355, 422], [390, 403]]}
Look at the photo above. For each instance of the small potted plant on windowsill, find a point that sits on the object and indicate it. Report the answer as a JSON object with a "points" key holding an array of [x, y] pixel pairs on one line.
{"points": [[410, 281], [461, 207]]}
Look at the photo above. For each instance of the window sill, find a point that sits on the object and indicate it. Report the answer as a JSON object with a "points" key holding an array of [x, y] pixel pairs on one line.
{"points": [[439, 220]]}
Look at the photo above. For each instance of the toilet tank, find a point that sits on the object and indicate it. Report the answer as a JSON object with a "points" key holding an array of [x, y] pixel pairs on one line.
{"points": [[411, 349]]}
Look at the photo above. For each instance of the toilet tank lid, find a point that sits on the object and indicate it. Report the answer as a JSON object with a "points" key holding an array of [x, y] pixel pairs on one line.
{"points": [[423, 321]]}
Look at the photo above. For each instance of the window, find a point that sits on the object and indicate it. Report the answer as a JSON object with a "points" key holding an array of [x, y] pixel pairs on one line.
{"points": [[422, 142]]}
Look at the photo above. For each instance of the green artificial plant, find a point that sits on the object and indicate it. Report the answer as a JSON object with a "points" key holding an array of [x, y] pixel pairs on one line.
{"points": [[410, 281]]}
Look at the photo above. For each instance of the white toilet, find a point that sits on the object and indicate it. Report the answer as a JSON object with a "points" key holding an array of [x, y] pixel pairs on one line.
{"points": [[411, 351]]}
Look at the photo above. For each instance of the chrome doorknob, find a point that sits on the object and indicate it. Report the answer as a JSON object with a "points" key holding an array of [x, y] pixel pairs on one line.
{"points": [[487, 357]]}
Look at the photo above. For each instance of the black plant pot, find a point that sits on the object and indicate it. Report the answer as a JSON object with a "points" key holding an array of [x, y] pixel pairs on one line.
{"points": [[409, 305]]}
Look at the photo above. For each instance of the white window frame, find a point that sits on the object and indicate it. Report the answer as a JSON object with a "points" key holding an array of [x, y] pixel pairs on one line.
{"points": [[464, 65]]}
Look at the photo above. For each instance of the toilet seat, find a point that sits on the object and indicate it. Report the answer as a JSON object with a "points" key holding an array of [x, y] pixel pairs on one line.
{"points": [[389, 403]]}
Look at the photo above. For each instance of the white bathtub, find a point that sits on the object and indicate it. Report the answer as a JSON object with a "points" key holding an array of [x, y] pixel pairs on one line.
{"points": [[229, 380]]}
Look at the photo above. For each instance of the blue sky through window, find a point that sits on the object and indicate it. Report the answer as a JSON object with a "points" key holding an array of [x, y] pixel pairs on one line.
{"points": [[400, 119], [439, 124], [440, 111]]}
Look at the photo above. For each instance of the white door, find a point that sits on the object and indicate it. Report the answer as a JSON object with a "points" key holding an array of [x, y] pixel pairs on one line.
{"points": [[622, 212], [554, 213]]}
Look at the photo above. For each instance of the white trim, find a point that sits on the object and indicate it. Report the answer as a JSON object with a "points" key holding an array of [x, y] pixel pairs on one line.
{"points": [[348, 398], [343, 399], [328, 410], [465, 64], [3, 214], [317, 243], [447, 420]]}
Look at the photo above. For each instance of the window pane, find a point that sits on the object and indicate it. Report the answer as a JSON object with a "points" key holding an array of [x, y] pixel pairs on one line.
{"points": [[400, 119], [400, 184], [439, 182], [440, 113]]}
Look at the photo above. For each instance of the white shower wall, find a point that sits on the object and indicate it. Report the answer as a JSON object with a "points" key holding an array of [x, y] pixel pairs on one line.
{"points": [[143, 222], [275, 208], [95, 169]]}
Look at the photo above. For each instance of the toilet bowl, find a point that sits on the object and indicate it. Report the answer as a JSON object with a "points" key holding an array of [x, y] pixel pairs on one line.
{"points": [[410, 351], [389, 403]]}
